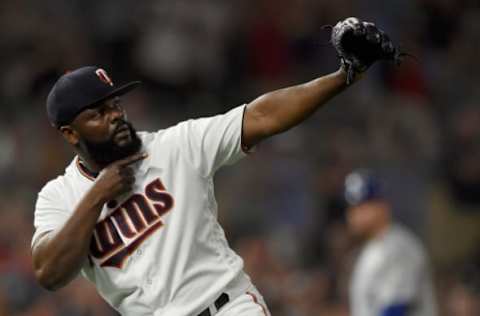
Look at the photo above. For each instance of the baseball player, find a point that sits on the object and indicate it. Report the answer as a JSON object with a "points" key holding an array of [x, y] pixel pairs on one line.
{"points": [[135, 212], [391, 276]]}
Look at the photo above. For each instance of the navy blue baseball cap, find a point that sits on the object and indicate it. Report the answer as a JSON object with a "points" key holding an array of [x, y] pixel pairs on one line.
{"points": [[362, 186], [80, 89]]}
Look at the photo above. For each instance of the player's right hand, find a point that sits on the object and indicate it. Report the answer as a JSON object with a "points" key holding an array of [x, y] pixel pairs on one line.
{"points": [[117, 178]]}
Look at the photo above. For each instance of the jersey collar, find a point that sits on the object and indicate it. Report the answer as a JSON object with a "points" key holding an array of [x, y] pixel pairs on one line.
{"points": [[84, 171]]}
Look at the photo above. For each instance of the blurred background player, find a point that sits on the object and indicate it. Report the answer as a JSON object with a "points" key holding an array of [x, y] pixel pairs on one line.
{"points": [[391, 276]]}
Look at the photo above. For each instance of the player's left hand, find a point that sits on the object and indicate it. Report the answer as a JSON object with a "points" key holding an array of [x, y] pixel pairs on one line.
{"points": [[359, 44]]}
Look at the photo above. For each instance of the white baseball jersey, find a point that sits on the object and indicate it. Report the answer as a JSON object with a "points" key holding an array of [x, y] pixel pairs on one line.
{"points": [[392, 270], [159, 250]]}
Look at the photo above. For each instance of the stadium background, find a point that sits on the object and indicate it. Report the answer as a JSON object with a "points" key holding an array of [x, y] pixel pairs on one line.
{"points": [[417, 125]]}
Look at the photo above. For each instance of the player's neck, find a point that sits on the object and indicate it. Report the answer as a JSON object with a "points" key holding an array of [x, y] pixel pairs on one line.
{"points": [[380, 230], [89, 165]]}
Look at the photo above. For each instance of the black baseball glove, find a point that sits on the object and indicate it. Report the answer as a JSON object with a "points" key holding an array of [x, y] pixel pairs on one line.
{"points": [[359, 44]]}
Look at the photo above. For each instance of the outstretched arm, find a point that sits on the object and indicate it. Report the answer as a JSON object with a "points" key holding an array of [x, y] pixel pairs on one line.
{"points": [[280, 110], [358, 44]]}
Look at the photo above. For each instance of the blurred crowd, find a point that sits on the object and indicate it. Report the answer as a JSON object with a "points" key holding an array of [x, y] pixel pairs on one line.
{"points": [[418, 125]]}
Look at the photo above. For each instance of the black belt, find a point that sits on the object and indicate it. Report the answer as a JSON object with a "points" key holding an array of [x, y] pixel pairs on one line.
{"points": [[219, 303]]}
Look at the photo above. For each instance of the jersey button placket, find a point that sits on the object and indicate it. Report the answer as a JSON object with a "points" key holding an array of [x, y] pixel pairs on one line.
{"points": [[149, 278]]}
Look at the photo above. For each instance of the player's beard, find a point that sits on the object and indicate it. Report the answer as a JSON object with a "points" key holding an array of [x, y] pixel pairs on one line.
{"points": [[105, 153]]}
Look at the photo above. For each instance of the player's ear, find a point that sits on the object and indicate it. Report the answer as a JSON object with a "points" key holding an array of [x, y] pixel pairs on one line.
{"points": [[70, 135]]}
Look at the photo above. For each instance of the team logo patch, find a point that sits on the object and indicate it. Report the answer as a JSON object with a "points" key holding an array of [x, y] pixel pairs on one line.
{"points": [[102, 75]]}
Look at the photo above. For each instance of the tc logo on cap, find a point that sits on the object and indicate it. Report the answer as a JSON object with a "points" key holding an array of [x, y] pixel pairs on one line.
{"points": [[102, 75]]}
